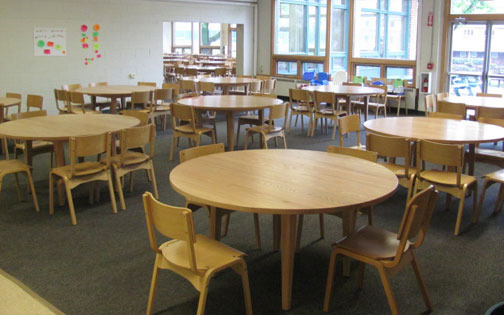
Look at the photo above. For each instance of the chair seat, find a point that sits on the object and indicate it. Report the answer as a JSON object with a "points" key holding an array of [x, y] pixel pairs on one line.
{"points": [[489, 154], [81, 169], [265, 129], [162, 108], [78, 110], [210, 253], [398, 170], [331, 112], [301, 108], [130, 158], [12, 166], [372, 242], [36, 145], [359, 147], [446, 178], [188, 129], [497, 176]]}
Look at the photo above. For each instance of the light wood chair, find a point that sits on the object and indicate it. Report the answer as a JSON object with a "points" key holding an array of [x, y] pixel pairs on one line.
{"points": [[143, 99], [192, 130], [188, 86], [452, 183], [250, 118], [190, 72], [392, 148], [220, 72], [444, 115], [63, 97], [206, 88], [161, 105], [451, 108], [175, 87], [192, 256], [326, 108], [300, 105], [34, 101], [76, 174], [494, 116], [129, 161], [387, 251], [490, 179], [101, 103], [347, 124], [153, 84], [204, 150], [269, 86], [441, 96], [71, 87], [6, 109], [361, 154], [142, 116], [429, 104], [15, 167], [489, 95], [256, 87], [80, 106], [379, 100], [269, 130], [38, 147]]}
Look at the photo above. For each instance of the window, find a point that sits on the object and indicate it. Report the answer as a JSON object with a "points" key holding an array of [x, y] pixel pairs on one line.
{"points": [[477, 7], [210, 38], [287, 68], [339, 36], [182, 37], [400, 73], [310, 66], [368, 71]]}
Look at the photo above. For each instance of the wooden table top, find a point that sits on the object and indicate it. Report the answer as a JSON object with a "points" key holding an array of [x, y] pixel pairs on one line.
{"points": [[344, 89], [476, 101], [61, 127], [436, 129], [283, 181], [115, 90], [230, 102], [228, 80], [211, 62], [9, 101]]}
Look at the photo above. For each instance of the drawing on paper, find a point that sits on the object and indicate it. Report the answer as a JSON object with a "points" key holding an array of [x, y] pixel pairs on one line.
{"points": [[49, 41]]}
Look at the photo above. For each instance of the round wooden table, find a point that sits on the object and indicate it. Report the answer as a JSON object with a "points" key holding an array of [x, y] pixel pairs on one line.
{"points": [[212, 62], [475, 102], [347, 92], [438, 130], [206, 69], [9, 102], [227, 82], [59, 128], [231, 104], [114, 92], [284, 183]]}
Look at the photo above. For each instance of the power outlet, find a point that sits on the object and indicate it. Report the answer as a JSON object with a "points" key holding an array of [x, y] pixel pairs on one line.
{"points": [[131, 75]]}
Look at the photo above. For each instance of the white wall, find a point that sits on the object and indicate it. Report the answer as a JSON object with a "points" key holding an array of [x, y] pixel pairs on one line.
{"points": [[264, 37], [131, 39]]}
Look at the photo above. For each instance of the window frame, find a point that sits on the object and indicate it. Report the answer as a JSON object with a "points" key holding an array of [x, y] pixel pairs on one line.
{"points": [[183, 47], [211, 47]]}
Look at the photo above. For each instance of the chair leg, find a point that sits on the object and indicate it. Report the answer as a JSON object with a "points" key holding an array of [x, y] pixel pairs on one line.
{"points": [[32, 189], [330, 281], [476, 209], [18, 189], [237, 135], [284, 141], [154, 183], [226, 224], [498, 205], [264, 141], [487, 183], [257, 230], [460, 211], [448, 202], [203, 296], [70, 204], [333, 137], [131, 181], [246, 288], [321, 224], [421, 283], [51, 194], [290, 121], [172, 147], [111, 192], [152, 290], [388, 290], [302, 122], [246, 140], [119, 190], [299, 231]]}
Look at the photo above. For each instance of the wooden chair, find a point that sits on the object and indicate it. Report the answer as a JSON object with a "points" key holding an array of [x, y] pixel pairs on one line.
{"points": [[441, 96], [179, 72], [256, 87], [206, 88], [392, 148], [188, 86], [452, 183], [250, 118], [300, 105], [347, 124], [190, 72], [129, 161], [490, 179], [175, 87], [34, 101], [388, 252], [6, 109], [142, 116], [191, 130], [61, 96], [143, 99], [161, 105], [204, 150], [489, 95], [71, 87], [269, 86], [153, 84], [494, 116], [331, 111], [220, 72], [361, 154], [38, 147], [451, 108], [76, 174], [444, 115], [80, 106], [380, 100], [15, 166], [269, 130], [429, 104], [194, 257], [101, 103]]}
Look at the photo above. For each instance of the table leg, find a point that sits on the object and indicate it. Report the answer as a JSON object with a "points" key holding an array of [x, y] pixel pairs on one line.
{"points": [[470, 157], [123, 102], [113, 105], [215, 224], [230, 130], [93, 101], [28, 156], [225, 90], [349, 218], [366, 102], [59, 154], [288, 243], [276, 232]]}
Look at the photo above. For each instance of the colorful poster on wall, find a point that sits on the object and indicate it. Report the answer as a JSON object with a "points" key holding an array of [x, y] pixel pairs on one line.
{"points": [[49, 41], [95, 47]]}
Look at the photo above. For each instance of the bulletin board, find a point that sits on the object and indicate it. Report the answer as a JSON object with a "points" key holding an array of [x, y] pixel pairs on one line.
{"points": [[49, 41]]}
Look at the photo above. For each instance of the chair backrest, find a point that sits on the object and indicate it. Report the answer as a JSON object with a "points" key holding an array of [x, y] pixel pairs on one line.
{"points": [[444, 115], [269, 86], [220, 72], [382, 97], [202, 150], [188, 86], [361, 154], [359, 79], [398, 83], [34, 101], [153, 84], [451, 108], [142, 116], [349, 123], [266, 95], [392, 147], [278, 112], [429, 103], [2, 115], [206, 88], [340, 77], [61, 96], [87, 146], [377, 81], [174, 86], [23, 115], [321, 76], [163, 95], [145, 98], [256, 87], [441, 96], [323, 98], [415, 221], [440, 154], [190, 71], [137, 137], [490, 112], [299, 96], [71, 87], [173, 222], [489, 95], [76, 98], [182, 112], [93, 84], [180, 71], [309, 75], [13, 95]]}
